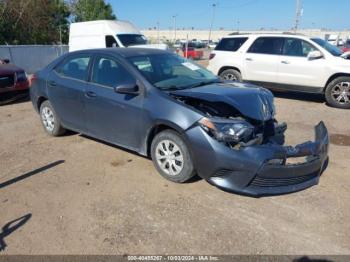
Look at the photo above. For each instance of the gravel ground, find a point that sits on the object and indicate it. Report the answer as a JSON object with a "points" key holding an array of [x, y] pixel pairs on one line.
{"points": [[76, 195]]}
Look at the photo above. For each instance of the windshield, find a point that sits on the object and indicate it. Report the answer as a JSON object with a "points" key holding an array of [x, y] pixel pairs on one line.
{"points": [[172, 72], [329, 47], [132, 39]]}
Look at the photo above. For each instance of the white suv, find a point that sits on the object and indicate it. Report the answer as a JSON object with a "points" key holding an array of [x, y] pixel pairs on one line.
{"points": [[285, 61]]}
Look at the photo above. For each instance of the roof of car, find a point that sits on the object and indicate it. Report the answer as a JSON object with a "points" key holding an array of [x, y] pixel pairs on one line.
{"points": [[125, 52], [284, 34]]}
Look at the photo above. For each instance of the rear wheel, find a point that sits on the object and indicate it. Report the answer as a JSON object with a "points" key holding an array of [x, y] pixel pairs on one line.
{"points": [[231, 74], [338, 92], [50, 121], [171, 157]]}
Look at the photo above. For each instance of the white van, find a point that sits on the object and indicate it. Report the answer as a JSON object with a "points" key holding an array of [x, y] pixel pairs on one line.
{"points": [[107, 33], [333, 39]]}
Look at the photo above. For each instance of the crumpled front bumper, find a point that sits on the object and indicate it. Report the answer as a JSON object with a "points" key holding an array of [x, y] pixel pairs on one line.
{"points": [[262, 169]]}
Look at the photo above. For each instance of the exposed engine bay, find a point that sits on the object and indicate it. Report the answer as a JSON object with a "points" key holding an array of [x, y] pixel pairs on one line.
{"points": [[224, 116]]}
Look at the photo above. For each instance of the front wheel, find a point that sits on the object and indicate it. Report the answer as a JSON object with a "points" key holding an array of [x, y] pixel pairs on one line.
{"points": [[171, 157], [338, 92], [231, 74]]}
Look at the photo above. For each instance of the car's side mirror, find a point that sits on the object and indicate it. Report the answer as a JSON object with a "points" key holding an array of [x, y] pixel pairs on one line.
{"points": [[314, 55], [130, 89]]}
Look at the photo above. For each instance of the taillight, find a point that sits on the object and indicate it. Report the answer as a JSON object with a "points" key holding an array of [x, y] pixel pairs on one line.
{"points": [[211, 56], [32, 79]]}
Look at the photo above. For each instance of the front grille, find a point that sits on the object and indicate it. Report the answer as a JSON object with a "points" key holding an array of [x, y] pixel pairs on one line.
{"points": [[7, 81], [276, 182]]}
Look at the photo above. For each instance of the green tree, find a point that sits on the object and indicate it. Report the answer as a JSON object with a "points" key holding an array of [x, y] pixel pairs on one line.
{"points": [[33, 21], [88, 10]]}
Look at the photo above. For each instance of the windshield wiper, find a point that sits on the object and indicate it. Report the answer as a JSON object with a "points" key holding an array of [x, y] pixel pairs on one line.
{"points": [[204, 83], [171, 88]]}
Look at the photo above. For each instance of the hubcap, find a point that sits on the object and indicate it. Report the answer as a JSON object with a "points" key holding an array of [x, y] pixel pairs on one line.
{"points": [[341, 93], [229, 77], [48, 119], [169, 157]]}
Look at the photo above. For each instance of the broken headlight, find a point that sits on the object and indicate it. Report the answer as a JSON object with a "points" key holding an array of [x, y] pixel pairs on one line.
{"points": [[228, 130]]}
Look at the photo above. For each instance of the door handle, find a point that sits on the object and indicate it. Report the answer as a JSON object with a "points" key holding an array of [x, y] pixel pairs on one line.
{"points": [[285, 62], [249, 59], [90, 94], [52, 83]]}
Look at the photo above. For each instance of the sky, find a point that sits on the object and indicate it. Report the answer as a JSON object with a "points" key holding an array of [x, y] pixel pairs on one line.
{"points": [[233, 14]]}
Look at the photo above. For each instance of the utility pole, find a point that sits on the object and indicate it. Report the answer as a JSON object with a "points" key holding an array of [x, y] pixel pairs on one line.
{"points": [[211, 23], [174, 20], [158, 32], [298, 14], [60, 27]]}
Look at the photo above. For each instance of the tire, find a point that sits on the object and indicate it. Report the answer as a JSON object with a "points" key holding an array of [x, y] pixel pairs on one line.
{"points": [[50, 120], [338, 93], [231, 74], [178, 166]]}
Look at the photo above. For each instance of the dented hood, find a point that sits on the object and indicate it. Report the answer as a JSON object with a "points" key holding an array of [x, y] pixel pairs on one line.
{"points": [[250, 100]]}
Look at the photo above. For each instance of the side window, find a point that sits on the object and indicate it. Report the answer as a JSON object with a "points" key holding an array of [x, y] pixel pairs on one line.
{"points": [[307, 48], [297, 47], [267, 45], [76, 67], [108, 72], [230, 44], [110, 41]]}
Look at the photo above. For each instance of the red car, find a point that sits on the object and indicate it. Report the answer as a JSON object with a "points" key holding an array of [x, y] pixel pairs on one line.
{"points": [[346, 47], [192, 52], [12, 78]]}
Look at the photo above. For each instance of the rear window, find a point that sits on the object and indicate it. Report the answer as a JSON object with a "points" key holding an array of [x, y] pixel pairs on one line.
{"points": [[231, 44]]}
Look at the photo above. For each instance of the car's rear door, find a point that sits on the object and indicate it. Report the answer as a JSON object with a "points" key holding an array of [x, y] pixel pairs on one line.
{"points": [[112, 116], [261, 59], [66, 86], [296, 71]]}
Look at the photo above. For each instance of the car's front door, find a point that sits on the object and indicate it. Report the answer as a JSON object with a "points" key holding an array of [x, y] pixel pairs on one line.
{"points": [[260, 61], [113, 116], [66, 87], [296, 70]]}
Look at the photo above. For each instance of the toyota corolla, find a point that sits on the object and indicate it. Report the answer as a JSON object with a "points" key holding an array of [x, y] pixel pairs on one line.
{"points": [[179, 114]]}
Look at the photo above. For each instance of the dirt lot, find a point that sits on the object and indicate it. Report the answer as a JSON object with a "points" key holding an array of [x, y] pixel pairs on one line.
{"points": [[80, 196]]}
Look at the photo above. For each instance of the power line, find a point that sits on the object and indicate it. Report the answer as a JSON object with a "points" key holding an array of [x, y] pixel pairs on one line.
{"points": [[239, 5]]}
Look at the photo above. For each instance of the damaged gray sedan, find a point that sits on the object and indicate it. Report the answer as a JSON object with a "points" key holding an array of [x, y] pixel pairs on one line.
{"points": [[181, 115]]}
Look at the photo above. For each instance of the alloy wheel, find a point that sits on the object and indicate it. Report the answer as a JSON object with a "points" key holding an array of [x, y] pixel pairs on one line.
{"points": [[229, 76], [341, 93], [48, 119], [169, 157]]}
